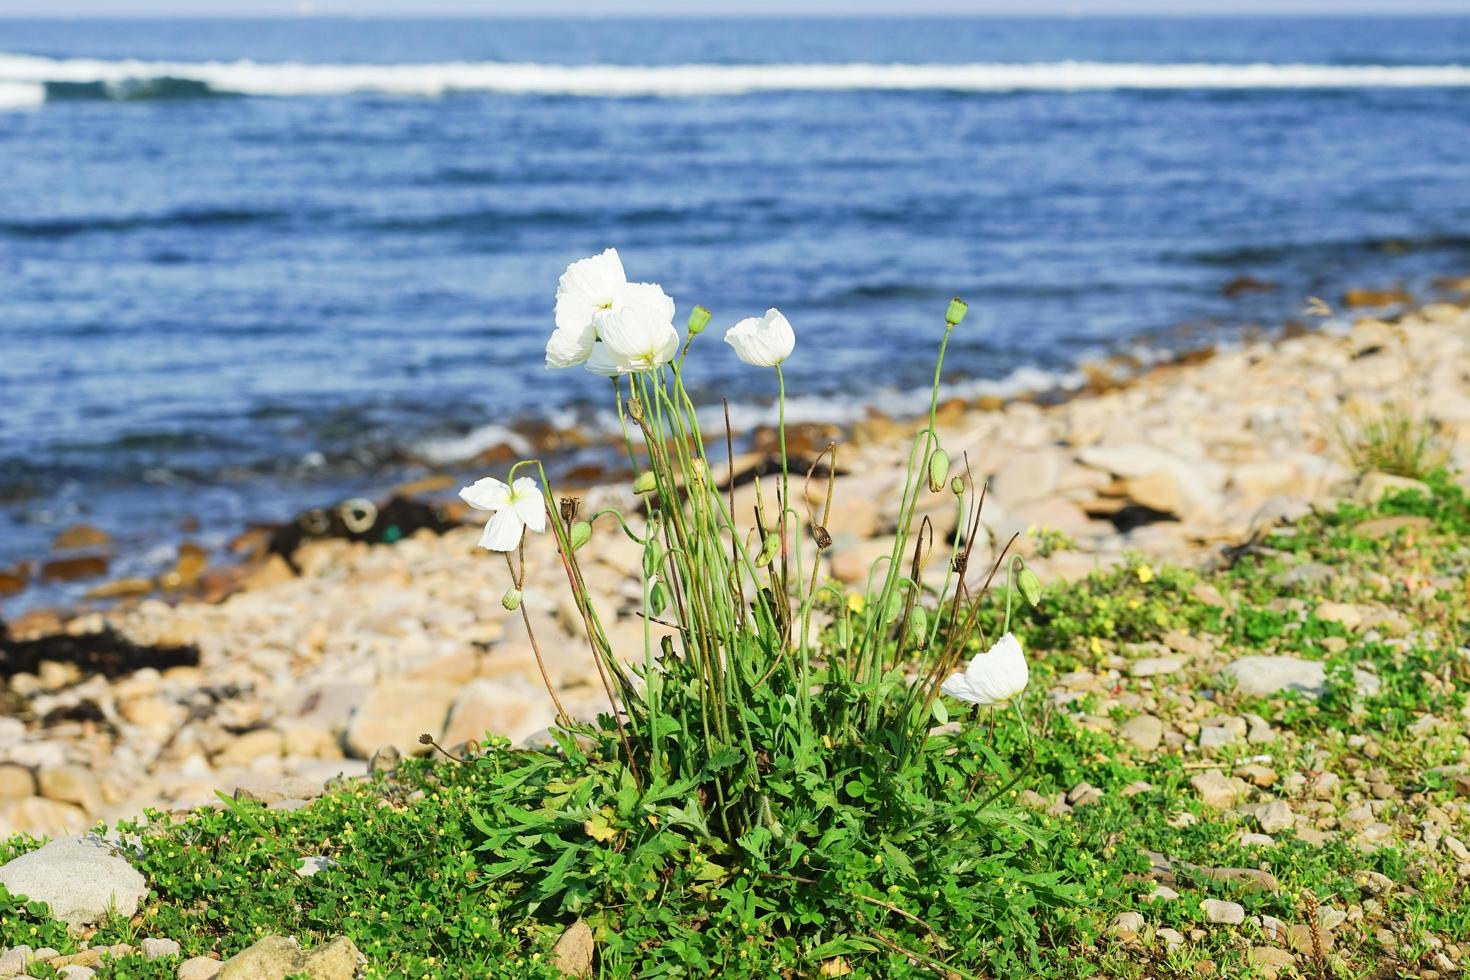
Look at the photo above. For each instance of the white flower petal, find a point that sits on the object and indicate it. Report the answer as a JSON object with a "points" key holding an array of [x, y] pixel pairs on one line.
{"points": [[503, 532], [763, 341], [648, 296], [638, 337], [602, 361], [486, 494], [528, 503], [571, 346], [954, 686], [588, 285], [1000, 673]]}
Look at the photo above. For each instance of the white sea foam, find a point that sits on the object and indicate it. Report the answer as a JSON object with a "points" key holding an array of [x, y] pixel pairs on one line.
{"points": [[458, 449], [21, 95], [294, 79]]}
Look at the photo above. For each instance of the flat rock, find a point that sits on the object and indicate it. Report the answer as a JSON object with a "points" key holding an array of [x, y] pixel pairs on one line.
{"points": [[1223, 913], [277, 957], [1144, 731], [82, 879], [1157, 666], [1215, 789], [266, 789], [199, 968], [1264, 676]]}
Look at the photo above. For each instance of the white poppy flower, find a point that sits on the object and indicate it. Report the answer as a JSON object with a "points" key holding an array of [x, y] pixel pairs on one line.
{"points": [[762, 341], [588, 287], [637, 337], [992, 677], [516, 507]]}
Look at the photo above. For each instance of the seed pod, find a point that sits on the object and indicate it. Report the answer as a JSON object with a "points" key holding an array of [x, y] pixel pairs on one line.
{"points": [[1030, 586], [918, 625], [956, 312], [580, 534], [822, 536], [658, 599], [769, 548], [698, 320], [635, 410], [938, 471], [569, 507], [646, 482], [511, 601]]}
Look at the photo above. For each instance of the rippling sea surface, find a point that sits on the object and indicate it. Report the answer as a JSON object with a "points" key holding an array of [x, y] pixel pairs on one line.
{"points": [[248, 267]]}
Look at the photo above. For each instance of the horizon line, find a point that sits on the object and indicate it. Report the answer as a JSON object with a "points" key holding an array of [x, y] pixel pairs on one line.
{"points": [[1420, 13]]}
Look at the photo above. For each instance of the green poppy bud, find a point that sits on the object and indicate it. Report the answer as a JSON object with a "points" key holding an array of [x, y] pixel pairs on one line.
{"points": [[938, 470], [511, 600], [769, 548], [698, 320], [580, 534], [957, 486], [918, 625], [956, 312], [646, 482], [1030, 586], [658, 599]]}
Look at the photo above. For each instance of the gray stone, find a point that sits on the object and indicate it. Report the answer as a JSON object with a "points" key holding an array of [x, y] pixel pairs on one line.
{"points": [[1126, 926], [82, 879], [1215, 789], [154, 949], [1275, 817], [266, 789], [277, 957], [1156, 666], [1264, 676], [1215, 737], [199, 968], [1144, 731], [1223, 913]]}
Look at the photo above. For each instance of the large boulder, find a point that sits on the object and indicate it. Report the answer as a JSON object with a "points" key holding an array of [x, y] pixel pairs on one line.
{"points": [[82, 879]]}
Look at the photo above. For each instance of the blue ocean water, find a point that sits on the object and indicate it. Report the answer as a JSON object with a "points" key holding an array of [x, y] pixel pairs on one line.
{"points": [[252, 266]]}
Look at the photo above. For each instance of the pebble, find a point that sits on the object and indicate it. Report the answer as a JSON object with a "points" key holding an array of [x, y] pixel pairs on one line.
{"points": [[154, 949], [1223, 913], [1126, 926], [1215, 790], [199, 968], [1144, 731]]}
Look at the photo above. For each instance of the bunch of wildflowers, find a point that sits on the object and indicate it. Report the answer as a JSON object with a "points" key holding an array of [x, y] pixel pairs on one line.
{"points": [[741, 596]]}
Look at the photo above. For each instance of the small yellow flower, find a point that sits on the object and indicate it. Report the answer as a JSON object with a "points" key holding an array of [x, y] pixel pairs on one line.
{"points": [[856, 603], [1095, 645], [1145, 574], [1134, 603]]}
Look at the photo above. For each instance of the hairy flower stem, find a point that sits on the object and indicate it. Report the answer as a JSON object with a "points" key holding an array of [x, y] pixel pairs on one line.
{"points": [[562, 718]]}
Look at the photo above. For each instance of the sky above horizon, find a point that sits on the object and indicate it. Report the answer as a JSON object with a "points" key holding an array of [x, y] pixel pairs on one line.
{"points": [[683, 8]]}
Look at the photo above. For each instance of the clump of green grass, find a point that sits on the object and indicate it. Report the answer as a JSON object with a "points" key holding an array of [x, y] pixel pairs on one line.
{"points": [[1392, 439]]}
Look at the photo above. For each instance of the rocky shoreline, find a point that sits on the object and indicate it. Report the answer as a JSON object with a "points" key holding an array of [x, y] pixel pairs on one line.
{"points": [[303, 670]]}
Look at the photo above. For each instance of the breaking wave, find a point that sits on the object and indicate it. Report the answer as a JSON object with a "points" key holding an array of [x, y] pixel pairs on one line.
{"points": [[29, 80]]}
